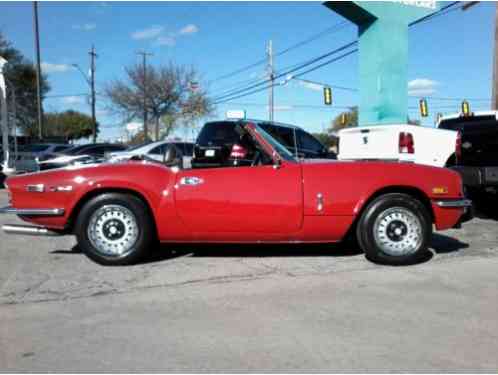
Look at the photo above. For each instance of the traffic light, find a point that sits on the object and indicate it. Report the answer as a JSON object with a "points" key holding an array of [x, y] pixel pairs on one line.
{"points": [[424, 111], [466, 108], [343, 119], [327, 95]]}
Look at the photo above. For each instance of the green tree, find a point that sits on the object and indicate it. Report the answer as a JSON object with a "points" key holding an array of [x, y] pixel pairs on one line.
{"points": [[71, 125], [20, 75]]}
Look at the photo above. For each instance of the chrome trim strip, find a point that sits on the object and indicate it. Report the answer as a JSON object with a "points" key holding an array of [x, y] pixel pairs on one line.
{"points": [[458, 203], [36, 188], [29, 230], [32, 211]]}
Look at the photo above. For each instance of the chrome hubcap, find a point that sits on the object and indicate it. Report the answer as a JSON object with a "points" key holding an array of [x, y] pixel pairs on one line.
{"points": [[398, 231], [113, 230]]}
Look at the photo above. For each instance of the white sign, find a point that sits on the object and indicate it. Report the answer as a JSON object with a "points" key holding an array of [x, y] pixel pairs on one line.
{"points": [[236, 114], [416, 3]]}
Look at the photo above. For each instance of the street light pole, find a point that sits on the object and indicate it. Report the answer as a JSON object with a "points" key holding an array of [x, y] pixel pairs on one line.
{"points": [[271, 77], [38, 70], [91, 84], [93, 55], [3, 117], [144, 60]]}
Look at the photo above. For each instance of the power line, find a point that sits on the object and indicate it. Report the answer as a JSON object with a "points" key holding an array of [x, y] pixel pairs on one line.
{"points": [[222, 100], [63, 96], [314, 37], [227, 97], [302, 65]]}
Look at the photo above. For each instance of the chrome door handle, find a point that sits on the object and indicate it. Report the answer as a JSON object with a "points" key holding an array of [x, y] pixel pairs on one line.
{"points": [[191, 180]]}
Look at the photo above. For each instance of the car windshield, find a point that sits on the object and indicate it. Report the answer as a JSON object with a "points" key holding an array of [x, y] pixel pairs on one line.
{"points": [[76, 150], [282, 151], [136, 147], [34, 148]]}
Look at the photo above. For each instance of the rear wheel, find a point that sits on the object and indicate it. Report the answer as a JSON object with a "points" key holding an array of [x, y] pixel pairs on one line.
{"points": [[395, 229], [115, 229]]}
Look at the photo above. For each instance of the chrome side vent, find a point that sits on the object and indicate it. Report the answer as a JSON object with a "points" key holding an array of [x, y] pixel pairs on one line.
{"points": [[37, 188]]}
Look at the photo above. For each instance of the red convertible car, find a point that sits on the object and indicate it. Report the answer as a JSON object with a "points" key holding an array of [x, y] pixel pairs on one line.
{"points": [[117, 211]]}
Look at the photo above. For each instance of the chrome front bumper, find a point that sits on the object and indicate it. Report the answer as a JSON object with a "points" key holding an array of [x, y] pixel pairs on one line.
{"points": [[32, 211], [454, 203]]}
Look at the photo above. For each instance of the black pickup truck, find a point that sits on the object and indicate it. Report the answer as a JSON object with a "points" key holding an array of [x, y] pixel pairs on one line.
{"points": [[476, 156]]}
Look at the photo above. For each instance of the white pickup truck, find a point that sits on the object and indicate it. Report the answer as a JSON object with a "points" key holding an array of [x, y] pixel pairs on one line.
{"points": [[404, 142]]}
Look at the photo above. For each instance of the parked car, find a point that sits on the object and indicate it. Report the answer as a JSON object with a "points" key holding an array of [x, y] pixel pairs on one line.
{"points": [[156, 150], [476, 158], [219, 144], [404, 142], [81, 154], [28, 155], [117, 211]]}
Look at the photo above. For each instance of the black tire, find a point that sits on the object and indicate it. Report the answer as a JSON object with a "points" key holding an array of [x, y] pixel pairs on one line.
{"points": [[133, 225], [395, 229]]}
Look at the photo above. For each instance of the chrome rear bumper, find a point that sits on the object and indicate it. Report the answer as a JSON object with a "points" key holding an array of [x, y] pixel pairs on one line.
{"points": [[32, 211], [28, 230]]}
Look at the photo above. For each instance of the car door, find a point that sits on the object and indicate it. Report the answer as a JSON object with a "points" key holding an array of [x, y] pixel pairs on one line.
{"points": [[252, 201]]}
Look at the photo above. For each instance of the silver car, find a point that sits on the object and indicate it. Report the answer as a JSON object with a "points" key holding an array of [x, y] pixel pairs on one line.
{"points": [[156, 151], [28, 155]]}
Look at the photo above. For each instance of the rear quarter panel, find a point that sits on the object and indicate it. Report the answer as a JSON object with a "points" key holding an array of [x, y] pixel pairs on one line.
{"points": [[346, 186]]}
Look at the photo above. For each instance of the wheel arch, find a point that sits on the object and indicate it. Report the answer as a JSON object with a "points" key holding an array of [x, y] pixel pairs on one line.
{"points": [[86, 197], [408, 190]]}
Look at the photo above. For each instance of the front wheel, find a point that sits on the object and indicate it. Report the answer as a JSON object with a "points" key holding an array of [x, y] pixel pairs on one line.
{"points": [[115, 229], [395, 229]]}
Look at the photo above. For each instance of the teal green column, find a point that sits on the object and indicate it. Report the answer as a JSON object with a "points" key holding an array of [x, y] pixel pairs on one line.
{"points": [[383, 55]]}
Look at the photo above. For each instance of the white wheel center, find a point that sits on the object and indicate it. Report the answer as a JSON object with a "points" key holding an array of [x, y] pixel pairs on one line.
{"points": [[113, 230], [397, 231]]}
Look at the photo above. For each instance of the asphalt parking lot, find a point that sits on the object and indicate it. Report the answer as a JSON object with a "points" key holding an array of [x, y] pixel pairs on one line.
{"points": [[250, 308]]}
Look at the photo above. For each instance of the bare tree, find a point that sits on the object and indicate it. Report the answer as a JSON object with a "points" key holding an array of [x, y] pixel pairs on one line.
{"points": [[169, 97]]}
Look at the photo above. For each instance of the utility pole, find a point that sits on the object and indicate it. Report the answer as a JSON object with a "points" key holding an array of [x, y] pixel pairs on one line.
{"points": [[38, 70], [271, 76], [144, 59], [4, 127], [93, 56], [494, 93]]}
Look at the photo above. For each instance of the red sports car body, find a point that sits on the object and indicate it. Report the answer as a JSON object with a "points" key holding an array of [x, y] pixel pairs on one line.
{"points": [[283, 201]]}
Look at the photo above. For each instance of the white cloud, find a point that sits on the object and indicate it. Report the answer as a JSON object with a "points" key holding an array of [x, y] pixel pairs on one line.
{"points": [[133, 127], [148, 33], [85, 27], [422, 86], [166, 41], [55, 68], [189, 29], [72, 100], [311, 86]]}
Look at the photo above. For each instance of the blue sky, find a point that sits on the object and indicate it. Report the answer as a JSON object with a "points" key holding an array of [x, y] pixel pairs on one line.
{"points": [[450, 56]]}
